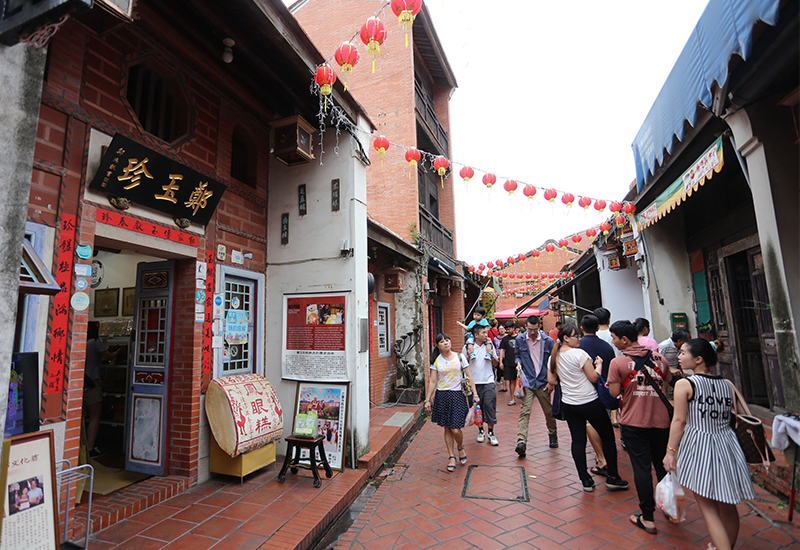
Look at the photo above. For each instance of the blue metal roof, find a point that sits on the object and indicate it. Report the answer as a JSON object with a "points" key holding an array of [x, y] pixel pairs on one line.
{"points": [[724, 29]]}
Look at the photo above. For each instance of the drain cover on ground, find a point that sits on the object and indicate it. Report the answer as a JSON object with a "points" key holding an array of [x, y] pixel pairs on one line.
{"points": [[496, 483]]}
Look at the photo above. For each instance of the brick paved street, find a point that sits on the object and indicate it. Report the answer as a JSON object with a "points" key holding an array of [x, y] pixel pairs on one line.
{"points": [[420, 504]]}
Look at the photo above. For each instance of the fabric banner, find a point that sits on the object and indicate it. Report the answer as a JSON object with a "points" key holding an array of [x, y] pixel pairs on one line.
{"points": [[140, 226], [60, 320]]}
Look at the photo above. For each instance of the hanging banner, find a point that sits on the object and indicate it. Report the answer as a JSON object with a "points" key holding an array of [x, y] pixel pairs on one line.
{"points": [[140, 226], [314, 337], [208, 320], [61, 302]]}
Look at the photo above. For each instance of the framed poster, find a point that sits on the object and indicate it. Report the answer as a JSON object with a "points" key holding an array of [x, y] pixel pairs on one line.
{"points": [[128, 301], [329, 401], [314, 337], [106, 302], [30, 509]]}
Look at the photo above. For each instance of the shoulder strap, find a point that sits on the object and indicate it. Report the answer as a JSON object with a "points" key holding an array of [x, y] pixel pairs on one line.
{"points": [[655, 386]]}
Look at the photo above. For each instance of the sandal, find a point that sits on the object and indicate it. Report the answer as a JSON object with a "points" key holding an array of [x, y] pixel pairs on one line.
{"points": [[598, 471], [451, 467], [511, 403], [638, 523], [462, 459]]}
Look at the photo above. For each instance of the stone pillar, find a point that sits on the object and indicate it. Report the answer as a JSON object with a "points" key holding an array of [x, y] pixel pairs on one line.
{"points": [[21, 74], [765, 138]]}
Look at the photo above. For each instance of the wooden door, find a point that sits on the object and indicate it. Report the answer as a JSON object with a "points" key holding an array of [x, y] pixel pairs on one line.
{"points": [[146, 437], [769, 350]]}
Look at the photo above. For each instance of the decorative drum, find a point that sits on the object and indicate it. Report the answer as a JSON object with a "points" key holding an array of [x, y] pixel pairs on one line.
{"points": [[244, 413]]}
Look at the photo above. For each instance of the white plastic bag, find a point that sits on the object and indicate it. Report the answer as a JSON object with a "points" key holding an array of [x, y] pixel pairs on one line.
{"points": [[470, 421], [519, 390], [669, 498]]}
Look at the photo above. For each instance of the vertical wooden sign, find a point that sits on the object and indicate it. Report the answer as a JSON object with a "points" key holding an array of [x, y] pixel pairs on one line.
{"points": [[335, 195], [285, 228], [301, 200]]}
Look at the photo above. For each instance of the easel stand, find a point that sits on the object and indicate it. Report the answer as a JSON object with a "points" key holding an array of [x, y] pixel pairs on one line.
{"points": [[295, 445]]}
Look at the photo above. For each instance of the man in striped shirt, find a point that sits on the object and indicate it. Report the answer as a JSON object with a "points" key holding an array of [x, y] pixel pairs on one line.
{"points": [[644, 421]]}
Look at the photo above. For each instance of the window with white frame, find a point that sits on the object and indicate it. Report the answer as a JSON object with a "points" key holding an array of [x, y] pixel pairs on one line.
{"points": [[383, 332], [243, 297]]}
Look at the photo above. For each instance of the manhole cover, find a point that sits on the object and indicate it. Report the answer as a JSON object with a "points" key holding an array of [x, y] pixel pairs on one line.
{"points": [[496, 483]]}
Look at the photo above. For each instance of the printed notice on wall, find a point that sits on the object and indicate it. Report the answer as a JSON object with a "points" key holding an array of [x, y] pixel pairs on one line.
{"points": [[314, 337]]}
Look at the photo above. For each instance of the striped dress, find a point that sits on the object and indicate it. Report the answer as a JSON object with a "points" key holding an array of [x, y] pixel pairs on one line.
{"points": [[710, 460]]}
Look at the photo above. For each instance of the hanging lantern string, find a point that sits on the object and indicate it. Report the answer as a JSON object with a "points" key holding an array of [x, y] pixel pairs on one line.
{"points": [[357, 33]]}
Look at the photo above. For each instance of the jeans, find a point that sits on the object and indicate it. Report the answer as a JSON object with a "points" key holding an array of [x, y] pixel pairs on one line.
{"points": [[525, 413], [595, 413], [646, 446]]}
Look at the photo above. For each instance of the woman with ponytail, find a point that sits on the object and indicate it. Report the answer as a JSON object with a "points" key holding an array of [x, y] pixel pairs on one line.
{"points": [[573, 369]]}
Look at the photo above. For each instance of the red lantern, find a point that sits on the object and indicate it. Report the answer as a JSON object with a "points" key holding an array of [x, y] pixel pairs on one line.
{"points": [[568, 198], [490, 265], [521, 257], [482, 268], [629, 208], [510, 260], [510, 186], [535, 254], [346, 56], [325, 78], [413, 157], [466, 173], [381, 144], [441, 164], [528, 275], [406, 10], [489, 180], [373, 33], [563, 244], [529, 191], [615, 207], [536, 277], [499, 263], [571, 274], [599, 205], [577, 239], [550, 248], [605, 227], [550, 195], [591, 233], [471, 269], [620, 220], [585, 202]]}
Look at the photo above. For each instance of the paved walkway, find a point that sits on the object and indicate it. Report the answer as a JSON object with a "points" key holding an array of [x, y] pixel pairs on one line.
{"points": [[420, 504]]}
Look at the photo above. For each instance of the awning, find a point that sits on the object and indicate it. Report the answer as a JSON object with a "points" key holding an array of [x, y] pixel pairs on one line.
{"points": [[537, 297], [444, 269], [34, 277], [709, 163], [512, 313], [579, 277], [724, 29]]}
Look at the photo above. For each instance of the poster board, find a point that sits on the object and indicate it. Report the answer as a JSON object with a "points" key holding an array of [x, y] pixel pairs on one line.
{"points": [[28, 479], [314, 337], [330, 403]]}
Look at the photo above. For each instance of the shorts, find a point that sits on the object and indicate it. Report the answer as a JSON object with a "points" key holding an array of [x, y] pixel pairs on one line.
{"points": [[510, 373], [94, 395], [488, 396]]}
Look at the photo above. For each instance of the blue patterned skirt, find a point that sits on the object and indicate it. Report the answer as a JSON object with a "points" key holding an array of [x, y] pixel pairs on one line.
{"points": [[449, 409]]}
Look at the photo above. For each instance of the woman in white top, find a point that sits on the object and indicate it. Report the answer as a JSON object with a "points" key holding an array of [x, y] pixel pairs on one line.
{"points": [[450, 406], [572, 367]]}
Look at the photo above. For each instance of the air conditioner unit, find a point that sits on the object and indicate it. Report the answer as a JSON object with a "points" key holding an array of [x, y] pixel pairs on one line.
{"points": [[292, 140]]}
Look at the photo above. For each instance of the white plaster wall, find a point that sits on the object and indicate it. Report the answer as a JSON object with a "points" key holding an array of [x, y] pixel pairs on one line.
{"points": [[669, 262], [620, 290], [311, 262]]}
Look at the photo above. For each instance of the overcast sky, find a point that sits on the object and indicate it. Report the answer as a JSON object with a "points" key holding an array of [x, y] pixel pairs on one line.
{"points": [[550, 93]]}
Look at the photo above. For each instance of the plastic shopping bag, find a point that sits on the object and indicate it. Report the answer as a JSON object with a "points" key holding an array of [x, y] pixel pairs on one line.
{"points": [[670, 498], [519, 391], [522, 378], [470, 421]]}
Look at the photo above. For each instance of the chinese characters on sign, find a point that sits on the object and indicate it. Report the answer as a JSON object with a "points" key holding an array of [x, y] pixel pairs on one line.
{"points": [[329, 401], [58, 339], [129, 169], [132, 224], [301, 200], [335, 195], [314, 337], [285, 228], [207, 317]]}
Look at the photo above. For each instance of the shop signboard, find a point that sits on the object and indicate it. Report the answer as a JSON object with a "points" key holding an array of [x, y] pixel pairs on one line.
{"points": [[314, 337], [132, 171]]}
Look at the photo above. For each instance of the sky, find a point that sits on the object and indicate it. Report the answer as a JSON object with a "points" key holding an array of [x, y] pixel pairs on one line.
{"points": [[550, 93]]}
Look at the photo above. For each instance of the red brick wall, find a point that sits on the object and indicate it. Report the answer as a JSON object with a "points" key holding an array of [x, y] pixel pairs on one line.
{"points": [[382, 370]]}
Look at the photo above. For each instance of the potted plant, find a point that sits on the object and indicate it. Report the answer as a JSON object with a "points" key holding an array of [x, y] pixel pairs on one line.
{"points": [[410, 385], [706, 331]]}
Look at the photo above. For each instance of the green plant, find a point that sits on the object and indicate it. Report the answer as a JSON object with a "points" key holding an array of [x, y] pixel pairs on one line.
{"points": [[705, 327], [414, 232]]}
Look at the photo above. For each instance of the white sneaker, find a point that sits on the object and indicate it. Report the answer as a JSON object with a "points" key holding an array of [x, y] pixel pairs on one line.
{"points": [[493, 440], [481, 437]]}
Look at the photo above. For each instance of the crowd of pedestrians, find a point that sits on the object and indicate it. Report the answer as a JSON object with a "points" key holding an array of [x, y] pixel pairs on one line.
{"points": [[597, 369]]}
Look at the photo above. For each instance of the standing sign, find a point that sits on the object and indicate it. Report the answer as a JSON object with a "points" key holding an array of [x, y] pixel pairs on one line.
{"points": [[133, 171], [314, 337], [27, 476]]}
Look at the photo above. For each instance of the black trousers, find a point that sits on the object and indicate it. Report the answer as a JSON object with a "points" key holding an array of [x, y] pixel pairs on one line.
{"points": [[595, 413], [646, 447]]}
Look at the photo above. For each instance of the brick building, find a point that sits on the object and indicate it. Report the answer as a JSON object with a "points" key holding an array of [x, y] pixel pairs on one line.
{"points": [[408, 98], [186, 86]]}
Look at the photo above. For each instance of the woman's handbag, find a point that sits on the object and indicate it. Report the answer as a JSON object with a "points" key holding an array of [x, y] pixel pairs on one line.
{"points": [[466, 387], [750, 432], [558, 409], [610, 402]]}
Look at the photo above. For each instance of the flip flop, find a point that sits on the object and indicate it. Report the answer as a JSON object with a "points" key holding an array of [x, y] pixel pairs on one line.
{"points": [[511, 403], [462, 459], [598, 471], [638, 523], [451, 467]]}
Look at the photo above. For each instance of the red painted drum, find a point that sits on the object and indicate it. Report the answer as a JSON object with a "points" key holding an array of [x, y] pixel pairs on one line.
{"points": [[244, 413]]}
